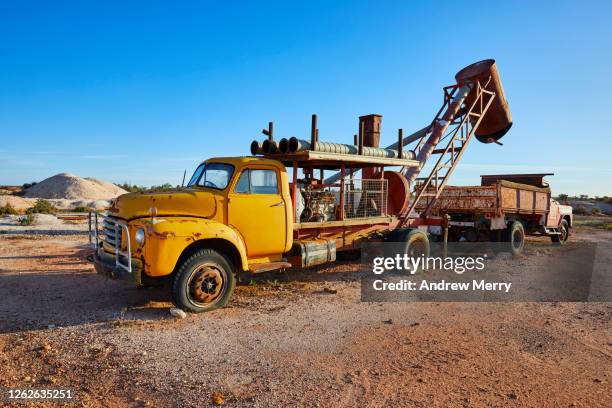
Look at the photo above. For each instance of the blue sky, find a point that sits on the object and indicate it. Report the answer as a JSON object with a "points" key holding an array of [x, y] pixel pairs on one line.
{"points": [[140, 91]]}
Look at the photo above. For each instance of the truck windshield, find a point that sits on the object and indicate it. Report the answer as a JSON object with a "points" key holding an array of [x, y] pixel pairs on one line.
{"points": [[213, 175]]}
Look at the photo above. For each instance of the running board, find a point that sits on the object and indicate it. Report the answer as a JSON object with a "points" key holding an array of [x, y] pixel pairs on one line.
{"points": [[552, 231], [268, 266]]}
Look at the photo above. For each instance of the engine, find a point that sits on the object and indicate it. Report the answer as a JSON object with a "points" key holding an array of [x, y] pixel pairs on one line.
{"points": [[319, 205]]}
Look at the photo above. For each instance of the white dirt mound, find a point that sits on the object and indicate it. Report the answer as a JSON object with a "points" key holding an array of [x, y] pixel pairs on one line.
{"points": [[16, 202], [70, 187]]}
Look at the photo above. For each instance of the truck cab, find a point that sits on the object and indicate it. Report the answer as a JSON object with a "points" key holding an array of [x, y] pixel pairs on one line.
{"points": [[234, 214]]}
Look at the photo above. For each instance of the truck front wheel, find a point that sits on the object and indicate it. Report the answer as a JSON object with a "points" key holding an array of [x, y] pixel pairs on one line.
{"points": [[204, 282], [563, 233], [515, 235]]}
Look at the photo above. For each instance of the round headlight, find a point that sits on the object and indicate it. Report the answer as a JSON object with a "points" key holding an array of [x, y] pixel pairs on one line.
{"points": [[140, 236]]}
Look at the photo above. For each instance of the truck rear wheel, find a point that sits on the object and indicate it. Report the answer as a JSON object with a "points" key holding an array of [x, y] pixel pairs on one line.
{"points": [[563, 233], [515, 235], [416, 244], [204, 282]]}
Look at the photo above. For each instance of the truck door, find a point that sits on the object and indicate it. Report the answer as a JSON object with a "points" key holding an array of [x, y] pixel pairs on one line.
{"points": [[256, 209]]}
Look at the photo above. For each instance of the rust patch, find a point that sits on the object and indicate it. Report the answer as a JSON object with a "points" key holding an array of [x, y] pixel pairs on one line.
{"points": [[165, 234]]}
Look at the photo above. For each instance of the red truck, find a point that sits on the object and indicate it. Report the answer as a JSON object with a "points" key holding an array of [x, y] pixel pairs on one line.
{"points": [[504, 207]]}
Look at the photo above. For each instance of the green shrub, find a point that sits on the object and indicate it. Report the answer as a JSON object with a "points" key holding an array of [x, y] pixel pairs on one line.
{"points": [[7, 209], [133, 188], [42, 207], [595, 211], [26, 220], [28, 185], [83, 209]]}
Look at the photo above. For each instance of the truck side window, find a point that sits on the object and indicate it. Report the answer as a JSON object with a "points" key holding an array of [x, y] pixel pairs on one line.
{"points": [[257, 182], [242, 186], [263, 182]]}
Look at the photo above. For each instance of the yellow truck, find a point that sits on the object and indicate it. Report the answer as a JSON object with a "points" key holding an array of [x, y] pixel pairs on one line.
{"points": [[235, 212], [238, 214]]}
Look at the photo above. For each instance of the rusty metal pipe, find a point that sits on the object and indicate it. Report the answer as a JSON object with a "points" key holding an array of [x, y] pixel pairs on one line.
{"points": [[283, 145], [313, 132], [270, 146], [400, 140], [360, 138], [256, 148], [271, 130]]}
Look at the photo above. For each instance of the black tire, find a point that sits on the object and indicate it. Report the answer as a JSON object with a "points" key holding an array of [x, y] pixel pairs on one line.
{"points": [[515, 236], [416, 244], [204, 281], [564, 234]]}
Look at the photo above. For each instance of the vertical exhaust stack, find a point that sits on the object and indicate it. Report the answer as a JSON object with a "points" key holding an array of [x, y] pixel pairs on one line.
{"points": [[498, 119], [369, 126], [371, 129]]}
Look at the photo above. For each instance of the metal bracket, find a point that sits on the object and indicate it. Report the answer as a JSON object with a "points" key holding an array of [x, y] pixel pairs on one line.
{"points": [[93, 233], [119, 228]]}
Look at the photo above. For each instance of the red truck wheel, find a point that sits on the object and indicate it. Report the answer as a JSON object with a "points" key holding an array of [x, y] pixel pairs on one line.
{"points": [[515, 235], [205, 281], [563, 233]]}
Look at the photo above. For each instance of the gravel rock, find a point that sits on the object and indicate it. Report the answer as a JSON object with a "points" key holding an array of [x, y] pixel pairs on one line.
{"points": [[178, 313]]}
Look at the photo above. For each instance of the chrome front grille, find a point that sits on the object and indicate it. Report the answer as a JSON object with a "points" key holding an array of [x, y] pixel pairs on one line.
{"points": [[112, 233]]}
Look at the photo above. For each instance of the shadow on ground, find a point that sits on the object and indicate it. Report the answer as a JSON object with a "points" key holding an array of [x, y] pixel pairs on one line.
{"points": [[37, 300], [66, 292]]}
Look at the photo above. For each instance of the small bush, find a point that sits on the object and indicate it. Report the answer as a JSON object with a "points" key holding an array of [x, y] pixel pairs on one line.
{"points": [[83, 209], [42, 207], [28, 185], [7, 209], [595, 211], [26, 220]]}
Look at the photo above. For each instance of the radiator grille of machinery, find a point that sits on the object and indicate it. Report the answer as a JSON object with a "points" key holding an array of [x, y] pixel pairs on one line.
{"points": [[365, 198]]}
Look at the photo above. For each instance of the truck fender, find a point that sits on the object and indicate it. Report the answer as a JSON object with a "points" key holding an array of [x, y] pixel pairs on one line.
{"points": [[189, 232]]}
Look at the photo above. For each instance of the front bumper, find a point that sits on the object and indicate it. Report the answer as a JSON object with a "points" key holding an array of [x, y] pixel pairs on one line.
{"points": [[105, 264]]}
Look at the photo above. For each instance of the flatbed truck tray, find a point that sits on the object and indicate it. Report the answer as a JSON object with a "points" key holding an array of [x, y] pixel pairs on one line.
{"points": [[501, 197]]}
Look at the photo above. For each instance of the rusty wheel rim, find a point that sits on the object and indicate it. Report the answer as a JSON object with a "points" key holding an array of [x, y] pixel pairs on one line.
{"points": [[206, 284], [416, 248], [563, 233]]}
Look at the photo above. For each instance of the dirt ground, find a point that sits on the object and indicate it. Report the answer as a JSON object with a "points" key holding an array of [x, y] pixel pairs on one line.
{"points": [[301, 339]]}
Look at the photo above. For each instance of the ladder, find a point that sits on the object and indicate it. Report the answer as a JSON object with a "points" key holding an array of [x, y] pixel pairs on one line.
{"points": [[449, 148]]}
